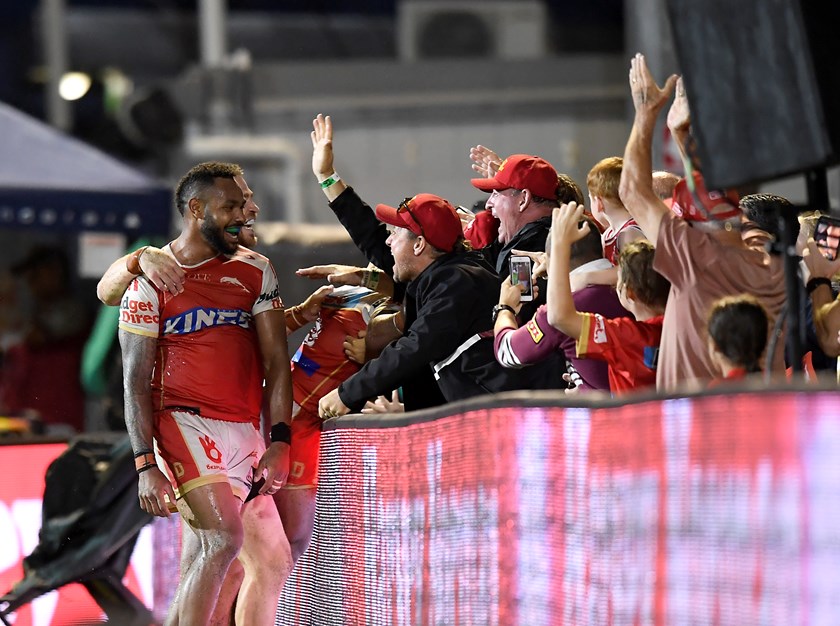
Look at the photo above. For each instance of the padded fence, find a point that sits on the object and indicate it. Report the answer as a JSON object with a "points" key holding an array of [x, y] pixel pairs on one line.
{"points": [[714, 509]]}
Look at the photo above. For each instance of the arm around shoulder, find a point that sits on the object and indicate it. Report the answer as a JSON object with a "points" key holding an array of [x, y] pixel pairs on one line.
{"points": [[160, 268], [114, 282]]}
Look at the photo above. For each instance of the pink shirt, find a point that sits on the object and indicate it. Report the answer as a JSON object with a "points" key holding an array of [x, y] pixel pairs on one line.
{"points": [[702, 270]]}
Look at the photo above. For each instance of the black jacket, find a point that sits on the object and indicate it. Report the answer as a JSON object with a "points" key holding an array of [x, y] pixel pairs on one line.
{"points": [[449, 303]]}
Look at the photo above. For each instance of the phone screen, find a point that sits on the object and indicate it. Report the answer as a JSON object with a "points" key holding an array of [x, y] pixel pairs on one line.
{"points": [[827, 236], [520, 274]]}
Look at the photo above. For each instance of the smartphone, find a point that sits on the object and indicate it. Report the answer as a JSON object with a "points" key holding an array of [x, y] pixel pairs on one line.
{"points": [[520, 274], [827, 236]]}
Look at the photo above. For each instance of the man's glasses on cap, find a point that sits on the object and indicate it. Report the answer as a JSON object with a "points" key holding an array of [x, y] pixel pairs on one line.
{"points": [[406, 211]]}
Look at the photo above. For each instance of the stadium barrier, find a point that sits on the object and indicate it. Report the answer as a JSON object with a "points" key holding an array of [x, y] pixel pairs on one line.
{"points": [[522, 509]]}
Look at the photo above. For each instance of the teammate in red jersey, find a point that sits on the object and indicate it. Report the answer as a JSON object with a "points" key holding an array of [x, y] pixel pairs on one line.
{"points": [[319, 366]]}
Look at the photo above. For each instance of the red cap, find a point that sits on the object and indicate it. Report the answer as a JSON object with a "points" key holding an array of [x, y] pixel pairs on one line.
{"points": [[521, 171], [482, 230], [428, 215], [715, 205]]}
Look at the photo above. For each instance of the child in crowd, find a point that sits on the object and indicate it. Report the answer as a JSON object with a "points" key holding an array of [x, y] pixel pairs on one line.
{"points": [[629, 346], [619, 227], [737, 328]]}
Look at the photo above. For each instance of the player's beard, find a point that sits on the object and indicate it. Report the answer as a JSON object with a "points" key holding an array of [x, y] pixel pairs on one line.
{"points": [[214, 235]]}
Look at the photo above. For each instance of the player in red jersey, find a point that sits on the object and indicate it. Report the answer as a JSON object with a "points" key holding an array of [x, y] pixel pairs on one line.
{"points": [[319, 366], [193, 367]]}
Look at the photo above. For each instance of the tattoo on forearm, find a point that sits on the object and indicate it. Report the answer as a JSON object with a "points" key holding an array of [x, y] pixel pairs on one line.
{"points": [[138, 356]]}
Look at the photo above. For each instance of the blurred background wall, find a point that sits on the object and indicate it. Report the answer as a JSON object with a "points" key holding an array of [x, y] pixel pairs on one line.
{"points": [[411, 86]]}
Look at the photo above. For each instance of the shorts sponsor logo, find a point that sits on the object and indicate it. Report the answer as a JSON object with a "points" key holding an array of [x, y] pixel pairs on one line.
{"points": [[535, 331], [297, 469], [200, 318], [210, 449], [178, 468]]}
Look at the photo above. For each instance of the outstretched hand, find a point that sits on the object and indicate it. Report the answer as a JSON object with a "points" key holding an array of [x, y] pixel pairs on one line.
{"points": [[311, 307], [647, 95], [322, 149], [334, 274], [485, 161]]}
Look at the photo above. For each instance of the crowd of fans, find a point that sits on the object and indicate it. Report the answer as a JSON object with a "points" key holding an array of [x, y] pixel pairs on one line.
{"points": [[657, 283], [628, 284]]}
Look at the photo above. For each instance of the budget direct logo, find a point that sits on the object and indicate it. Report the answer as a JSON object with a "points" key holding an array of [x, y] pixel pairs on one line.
{"points": [[138, 312]]}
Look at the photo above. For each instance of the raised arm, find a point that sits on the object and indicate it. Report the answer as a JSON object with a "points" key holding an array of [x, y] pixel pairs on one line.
{"points": [[274, 349], [355, 215], [159, 267], [335, 274], [322, 157], [566, 229], [679, 119], [636, 188]]}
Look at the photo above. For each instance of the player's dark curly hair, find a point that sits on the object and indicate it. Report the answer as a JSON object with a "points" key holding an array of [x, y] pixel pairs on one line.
{"points": [[200, 178]]}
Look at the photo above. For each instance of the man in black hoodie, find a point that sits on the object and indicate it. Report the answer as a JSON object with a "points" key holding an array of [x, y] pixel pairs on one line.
{"points": [[448, 294]]}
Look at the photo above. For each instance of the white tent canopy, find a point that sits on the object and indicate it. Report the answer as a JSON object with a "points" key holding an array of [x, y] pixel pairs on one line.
{"points": [[50, 181]]}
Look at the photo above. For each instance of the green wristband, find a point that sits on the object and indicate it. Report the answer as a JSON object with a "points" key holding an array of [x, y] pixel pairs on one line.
{"points": [[329, 182]]}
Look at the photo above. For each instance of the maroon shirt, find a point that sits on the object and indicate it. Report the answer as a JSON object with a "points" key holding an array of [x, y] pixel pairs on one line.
{"points": [[537, 339]]}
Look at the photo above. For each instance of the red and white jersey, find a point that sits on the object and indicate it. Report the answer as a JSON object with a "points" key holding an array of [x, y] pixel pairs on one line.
{"points": [[630, 348], [609, 239], [208, 358], [320, 365]]}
